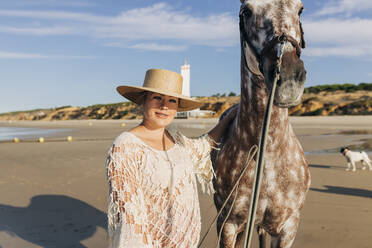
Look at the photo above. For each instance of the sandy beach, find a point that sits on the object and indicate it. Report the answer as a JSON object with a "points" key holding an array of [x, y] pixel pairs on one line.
{"points": [[54, 194]]}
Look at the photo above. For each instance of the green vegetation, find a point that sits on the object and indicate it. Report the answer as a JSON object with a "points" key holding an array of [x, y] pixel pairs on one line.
{"points": [[314, 113], [322, 88], [362, 107], [62, 107], [335, 87], [109, 105], [362, 104], [95, 106], [26, 111], [224, 94]]}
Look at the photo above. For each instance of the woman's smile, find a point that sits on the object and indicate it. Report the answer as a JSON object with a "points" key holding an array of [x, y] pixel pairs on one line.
{"points": [[159, 110], [161, 115]]}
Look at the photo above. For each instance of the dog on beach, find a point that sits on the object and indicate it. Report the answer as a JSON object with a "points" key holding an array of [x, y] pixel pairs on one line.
{"points": [[353, 157]]}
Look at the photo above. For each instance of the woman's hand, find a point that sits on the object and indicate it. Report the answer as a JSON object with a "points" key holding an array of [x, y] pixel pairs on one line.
{"points": [[216, 133]]}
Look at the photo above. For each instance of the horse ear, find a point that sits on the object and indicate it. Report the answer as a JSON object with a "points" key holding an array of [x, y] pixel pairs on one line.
{"points": [[251, 59], [303, 44], [242, 1]]}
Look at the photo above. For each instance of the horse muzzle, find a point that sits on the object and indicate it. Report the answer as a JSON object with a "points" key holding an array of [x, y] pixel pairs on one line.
{"points": [[290, 84]]}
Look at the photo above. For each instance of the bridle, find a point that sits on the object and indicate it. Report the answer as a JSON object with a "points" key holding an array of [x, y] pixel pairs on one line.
{"points": [[281, 38]]}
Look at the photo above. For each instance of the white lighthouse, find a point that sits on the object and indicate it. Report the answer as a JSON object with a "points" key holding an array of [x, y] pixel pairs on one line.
{"points": [[185, 72]]}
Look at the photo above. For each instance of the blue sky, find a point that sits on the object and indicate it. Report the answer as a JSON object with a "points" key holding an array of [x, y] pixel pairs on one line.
{"points": [[75, 52]]}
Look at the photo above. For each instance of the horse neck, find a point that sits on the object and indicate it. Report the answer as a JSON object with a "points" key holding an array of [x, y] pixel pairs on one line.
{"points": [[253, 103]]}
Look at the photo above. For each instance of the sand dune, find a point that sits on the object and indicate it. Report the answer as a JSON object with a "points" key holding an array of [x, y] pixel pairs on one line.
{"points": [[320, 104]]}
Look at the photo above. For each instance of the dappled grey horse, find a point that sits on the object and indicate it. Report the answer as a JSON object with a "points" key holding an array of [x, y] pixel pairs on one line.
{"points": [[264, 25]]}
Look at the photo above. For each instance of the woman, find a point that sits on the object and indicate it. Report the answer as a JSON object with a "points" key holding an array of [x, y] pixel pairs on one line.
{"points": [[153, 198]]}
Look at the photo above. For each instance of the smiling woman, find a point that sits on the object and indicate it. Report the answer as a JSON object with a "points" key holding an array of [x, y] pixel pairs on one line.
{"points": [[153, 196]]}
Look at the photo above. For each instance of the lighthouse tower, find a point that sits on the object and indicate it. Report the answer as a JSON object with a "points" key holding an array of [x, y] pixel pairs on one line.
{"points": [[185, 72]]}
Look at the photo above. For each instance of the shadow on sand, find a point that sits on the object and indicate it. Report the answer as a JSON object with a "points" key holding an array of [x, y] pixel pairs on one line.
{"points": [[325, 166], [345, 191], [56, 221]]}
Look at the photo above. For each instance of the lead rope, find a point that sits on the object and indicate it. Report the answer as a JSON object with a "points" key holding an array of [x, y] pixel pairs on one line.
{"points": [[252, 152], [258, 170], [256, 187]]}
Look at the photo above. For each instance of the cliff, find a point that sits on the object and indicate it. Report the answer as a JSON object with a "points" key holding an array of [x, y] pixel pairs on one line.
{"points": [[338, 102]]}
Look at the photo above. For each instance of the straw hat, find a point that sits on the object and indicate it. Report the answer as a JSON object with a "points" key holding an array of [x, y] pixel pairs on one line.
{"points": [[163, 82]]}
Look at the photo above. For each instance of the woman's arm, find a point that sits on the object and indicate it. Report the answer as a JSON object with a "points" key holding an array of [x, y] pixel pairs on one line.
{"points": [[127, 221], [200, 150], [216, 133]]}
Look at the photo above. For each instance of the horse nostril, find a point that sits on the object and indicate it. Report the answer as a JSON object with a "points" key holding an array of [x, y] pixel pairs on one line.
{"points": [[301, 74]]}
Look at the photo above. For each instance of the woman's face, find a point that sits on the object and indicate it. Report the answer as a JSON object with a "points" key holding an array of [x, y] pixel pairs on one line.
{"points": [[159, 110]]}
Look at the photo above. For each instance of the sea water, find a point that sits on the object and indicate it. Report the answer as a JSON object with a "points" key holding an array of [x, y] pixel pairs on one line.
{"points": [[9, 133]]}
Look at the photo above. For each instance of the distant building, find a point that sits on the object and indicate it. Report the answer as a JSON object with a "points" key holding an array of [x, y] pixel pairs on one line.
{"points": [[185, 72]]}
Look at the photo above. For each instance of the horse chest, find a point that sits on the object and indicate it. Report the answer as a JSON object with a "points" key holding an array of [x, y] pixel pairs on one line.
{"points": [[284, 176]]}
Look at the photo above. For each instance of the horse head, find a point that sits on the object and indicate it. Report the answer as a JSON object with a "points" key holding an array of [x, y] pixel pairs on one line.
{"points": [[270, 29]]}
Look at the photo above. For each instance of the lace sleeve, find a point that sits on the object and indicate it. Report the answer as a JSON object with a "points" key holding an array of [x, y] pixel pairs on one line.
{"points": [[200, 149], [127, 221]]}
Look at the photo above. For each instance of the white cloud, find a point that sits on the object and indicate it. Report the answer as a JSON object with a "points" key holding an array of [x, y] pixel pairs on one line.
{"points": [[39, 30], [221, 50], [13, 55], [345, 6], [72, 3], [157, 47], [338, 37], [55, 15], [344, 36], [353, 30], [157, 22], [161, 22], [161, 28], [344, 51], [149, 46]]}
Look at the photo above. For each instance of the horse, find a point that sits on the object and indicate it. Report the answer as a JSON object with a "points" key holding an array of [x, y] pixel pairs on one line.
{"points": [[265, 28]]}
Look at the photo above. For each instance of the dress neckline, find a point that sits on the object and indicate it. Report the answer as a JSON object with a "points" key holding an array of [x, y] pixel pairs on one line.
{"points": [[152, 148]]}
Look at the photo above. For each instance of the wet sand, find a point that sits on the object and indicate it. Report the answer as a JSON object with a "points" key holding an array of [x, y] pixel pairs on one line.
{"points": [[54, 194]]}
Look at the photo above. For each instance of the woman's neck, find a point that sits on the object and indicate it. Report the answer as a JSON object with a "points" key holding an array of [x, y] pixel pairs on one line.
{"points": [[151, 132], [154, 137]]}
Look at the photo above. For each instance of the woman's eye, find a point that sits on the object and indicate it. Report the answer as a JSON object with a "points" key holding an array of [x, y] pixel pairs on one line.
{"points": [[173, 101], [157, 97]]}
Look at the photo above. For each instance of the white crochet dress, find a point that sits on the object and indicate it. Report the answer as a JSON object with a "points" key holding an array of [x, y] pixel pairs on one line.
{"points": [[153, 198]]}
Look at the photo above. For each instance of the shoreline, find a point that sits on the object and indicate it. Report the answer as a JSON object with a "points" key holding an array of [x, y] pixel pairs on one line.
{"points": [[303, 126], [28, 133]]}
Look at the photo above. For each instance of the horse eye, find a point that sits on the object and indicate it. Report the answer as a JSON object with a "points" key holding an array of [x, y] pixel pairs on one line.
{"points": [[300, 11], [246, 11]]}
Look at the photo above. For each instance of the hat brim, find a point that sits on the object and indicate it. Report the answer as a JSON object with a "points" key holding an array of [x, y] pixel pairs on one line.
{"points": [[135, 94]]}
